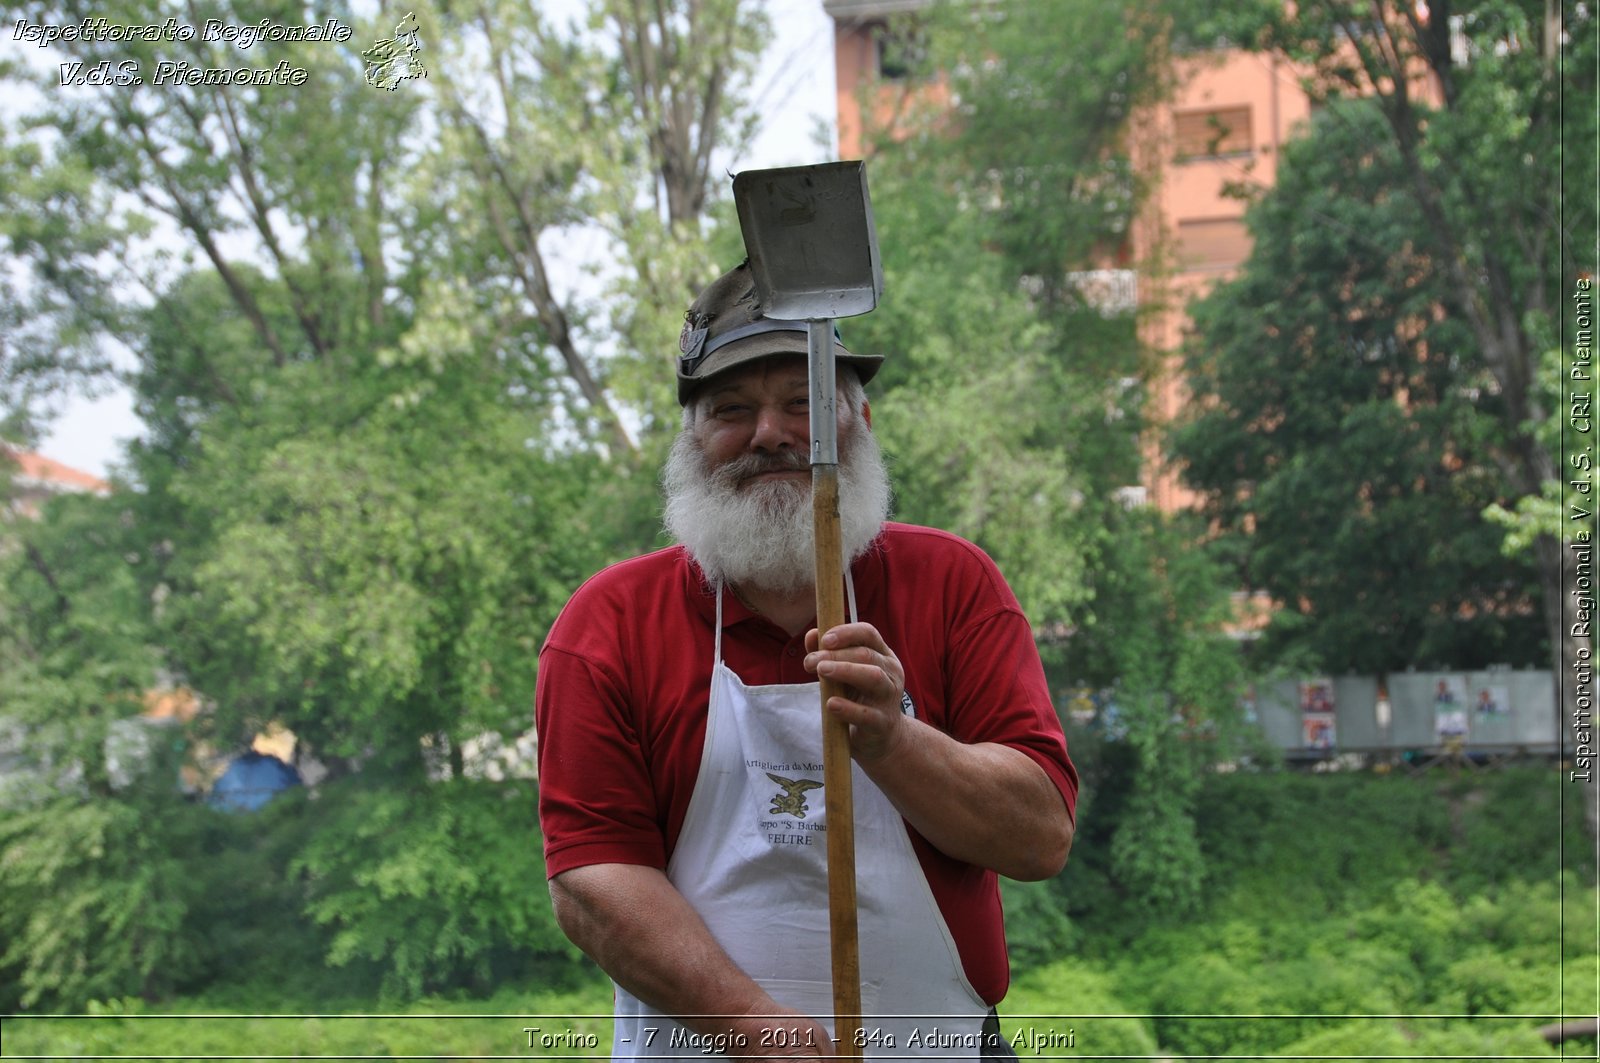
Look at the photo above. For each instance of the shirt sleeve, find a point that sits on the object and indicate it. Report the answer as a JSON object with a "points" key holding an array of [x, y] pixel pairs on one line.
{"points": [[596, 802], [999, 694]]}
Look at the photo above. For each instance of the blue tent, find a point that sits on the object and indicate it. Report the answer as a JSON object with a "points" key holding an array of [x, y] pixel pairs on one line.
{"points": [[250, 782]]}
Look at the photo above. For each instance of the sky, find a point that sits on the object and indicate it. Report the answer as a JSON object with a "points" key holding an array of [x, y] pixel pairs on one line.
{"points": [[793, 92]]}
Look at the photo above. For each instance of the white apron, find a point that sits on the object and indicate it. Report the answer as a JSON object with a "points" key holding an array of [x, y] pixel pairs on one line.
{"points": [[751, 859]]}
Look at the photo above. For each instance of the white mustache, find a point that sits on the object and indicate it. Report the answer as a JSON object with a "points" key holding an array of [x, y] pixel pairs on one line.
{"points": [[749, 466]]}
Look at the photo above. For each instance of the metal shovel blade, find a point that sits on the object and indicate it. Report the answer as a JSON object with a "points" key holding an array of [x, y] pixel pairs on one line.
{"points": [[809, 234]]}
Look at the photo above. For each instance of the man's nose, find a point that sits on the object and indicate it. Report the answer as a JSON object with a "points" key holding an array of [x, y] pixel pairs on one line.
{"points": [[775, 430]]}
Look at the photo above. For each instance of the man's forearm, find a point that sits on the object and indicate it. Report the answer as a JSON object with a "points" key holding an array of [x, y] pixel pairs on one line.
{"points": [[987, 804]]}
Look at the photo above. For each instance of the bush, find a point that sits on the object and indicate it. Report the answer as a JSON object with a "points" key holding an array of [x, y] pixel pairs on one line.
{"points": [[1335, 837], [490, 1028], [1260, 987], [1066, 997], [147, 895], [1038, 929], [1509, 827], [1194, 1003], [1419, 1039], [97, 901], [441, 887]]}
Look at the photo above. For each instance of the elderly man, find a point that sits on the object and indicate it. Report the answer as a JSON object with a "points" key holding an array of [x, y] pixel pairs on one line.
{"points": [[680, 745]]}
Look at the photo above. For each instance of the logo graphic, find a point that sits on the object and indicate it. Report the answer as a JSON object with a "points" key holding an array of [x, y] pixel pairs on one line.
{"points": [[692, 341], [394, 59], [792, 801]]}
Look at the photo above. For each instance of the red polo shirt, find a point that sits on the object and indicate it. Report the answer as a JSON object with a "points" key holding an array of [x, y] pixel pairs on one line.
{"points": [[625, 679]]}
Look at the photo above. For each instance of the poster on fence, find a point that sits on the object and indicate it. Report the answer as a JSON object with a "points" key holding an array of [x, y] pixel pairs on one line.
{"points": [[1490, 715], [1316, 712], [1492, 701], [1450, 709]]}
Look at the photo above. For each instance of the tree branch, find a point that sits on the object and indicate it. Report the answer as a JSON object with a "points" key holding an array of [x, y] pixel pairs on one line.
{"points": [[37, 562], [528, 262], [300, 299], [180, 209]]}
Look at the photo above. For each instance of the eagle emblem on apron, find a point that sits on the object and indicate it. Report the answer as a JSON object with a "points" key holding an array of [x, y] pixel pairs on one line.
{"points": [[792, 801]]}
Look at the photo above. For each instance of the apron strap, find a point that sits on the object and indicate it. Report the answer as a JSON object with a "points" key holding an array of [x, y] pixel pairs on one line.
{"points": [[716, 656]]}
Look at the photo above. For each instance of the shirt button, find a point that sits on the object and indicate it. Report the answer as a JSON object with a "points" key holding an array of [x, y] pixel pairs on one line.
{"points": [[794, 651]]}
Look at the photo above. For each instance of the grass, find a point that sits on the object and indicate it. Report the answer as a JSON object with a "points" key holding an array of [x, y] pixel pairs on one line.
{"points": [[566, 1025]]}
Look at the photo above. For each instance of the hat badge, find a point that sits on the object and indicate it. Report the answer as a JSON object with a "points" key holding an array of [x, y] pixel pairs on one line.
{"points": [[692, 340]]}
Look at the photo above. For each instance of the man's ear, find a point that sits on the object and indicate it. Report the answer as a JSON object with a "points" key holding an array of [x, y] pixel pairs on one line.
{"points": [[866, 412]]}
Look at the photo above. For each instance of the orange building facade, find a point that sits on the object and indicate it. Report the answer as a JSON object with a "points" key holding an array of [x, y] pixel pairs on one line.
{"points": [[1224, 126]]}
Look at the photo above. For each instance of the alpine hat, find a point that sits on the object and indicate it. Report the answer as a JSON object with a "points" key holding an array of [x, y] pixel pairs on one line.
{"points": [[725, 328]]}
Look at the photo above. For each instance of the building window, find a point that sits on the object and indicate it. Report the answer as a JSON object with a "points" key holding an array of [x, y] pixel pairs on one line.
{"points": [[902, 47], [1109, 291], [1212, 133], [1212, 243]]}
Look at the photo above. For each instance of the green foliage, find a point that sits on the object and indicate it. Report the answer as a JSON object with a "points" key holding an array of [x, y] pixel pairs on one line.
{"points": [[1507, 824], [96, 900], [1481, 832], [479, 1028], [381, 456], [145, 894], [1038, 928], [1384, 911], [1580, 974], [1178, 681], [75, 639], [1562, 376], [1273, 986], [1420, 1039], [251, 914], [1339, 412], [439, 888], [1007, 405], [1006, 482], [1254, 831], [1043, 96], [380, 453], [1065, 996], [1455, 240], [1208, 986], [1004, 403], [1282, 959], [1290, 859], [393, 581], [1155, 855]]}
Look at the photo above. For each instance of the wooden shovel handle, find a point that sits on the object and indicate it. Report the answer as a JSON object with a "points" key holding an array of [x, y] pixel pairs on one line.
{"points": [[838, 800]]}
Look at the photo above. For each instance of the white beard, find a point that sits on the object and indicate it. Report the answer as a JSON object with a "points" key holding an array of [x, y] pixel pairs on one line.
{"points": [[759, 535]]}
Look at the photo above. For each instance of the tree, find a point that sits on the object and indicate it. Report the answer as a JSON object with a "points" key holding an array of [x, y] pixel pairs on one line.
{"points": [[93, 902], [616, 125], [1344, 434], [1008, 402], [382, 443], [1005, 390], [1487, 113]]}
